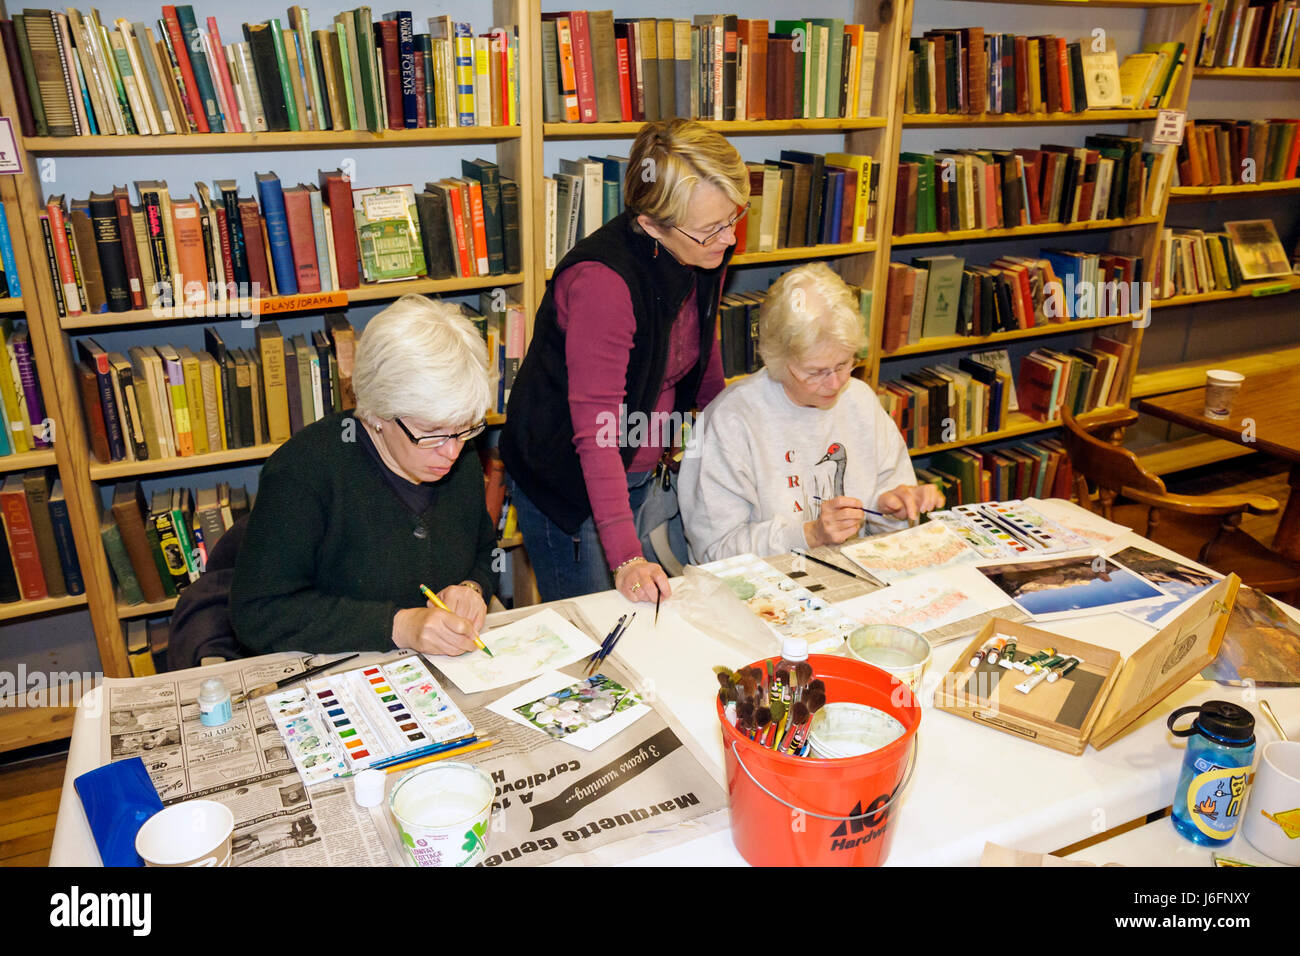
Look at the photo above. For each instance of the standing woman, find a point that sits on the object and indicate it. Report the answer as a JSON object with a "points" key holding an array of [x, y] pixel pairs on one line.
{"points": [[625, 335]]}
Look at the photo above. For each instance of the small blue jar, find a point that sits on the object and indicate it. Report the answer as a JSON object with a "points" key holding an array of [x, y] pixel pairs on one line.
{"points": [[1212, 786]]}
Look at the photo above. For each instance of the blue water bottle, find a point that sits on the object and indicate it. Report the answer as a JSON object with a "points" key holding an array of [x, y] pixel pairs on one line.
{"points": [[1212, 786]]}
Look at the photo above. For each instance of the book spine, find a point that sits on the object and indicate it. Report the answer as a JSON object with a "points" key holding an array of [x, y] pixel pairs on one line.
{"points": [[61, 524], [277, 228], [179, 51], [22, 541]]}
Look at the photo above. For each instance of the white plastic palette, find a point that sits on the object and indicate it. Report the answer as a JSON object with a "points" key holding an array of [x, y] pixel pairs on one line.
{"points": [[1017, 529]]}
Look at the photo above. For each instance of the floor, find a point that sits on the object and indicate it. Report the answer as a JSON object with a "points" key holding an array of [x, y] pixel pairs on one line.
{"points": [[29, 790]]}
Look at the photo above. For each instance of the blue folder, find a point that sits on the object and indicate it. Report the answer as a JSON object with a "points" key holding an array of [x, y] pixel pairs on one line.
{"points": [[118, 799]]}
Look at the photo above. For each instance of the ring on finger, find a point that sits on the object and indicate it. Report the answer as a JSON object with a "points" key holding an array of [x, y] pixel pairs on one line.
{"points": [[636, 587]]}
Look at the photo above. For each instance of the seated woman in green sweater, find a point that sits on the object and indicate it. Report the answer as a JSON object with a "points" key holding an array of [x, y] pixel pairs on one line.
{"points": [[359, 509]]}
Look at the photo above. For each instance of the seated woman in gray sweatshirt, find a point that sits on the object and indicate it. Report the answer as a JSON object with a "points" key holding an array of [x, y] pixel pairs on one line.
{"points": [[790, 456]]}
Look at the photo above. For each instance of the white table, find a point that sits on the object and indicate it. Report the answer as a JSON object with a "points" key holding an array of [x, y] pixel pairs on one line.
{"points": [[972, 784]]}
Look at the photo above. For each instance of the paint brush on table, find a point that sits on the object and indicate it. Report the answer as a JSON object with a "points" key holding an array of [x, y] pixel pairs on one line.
{"points": [[438, 602], [607, 647], [437, 748], [835, 567], [264, 689], [441, 755]]}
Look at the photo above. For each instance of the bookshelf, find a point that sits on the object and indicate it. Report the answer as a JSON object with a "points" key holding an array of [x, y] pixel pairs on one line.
{"points": [[1246, 73], [83, 475]]}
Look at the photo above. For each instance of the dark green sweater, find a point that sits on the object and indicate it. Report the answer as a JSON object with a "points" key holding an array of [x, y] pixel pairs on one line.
{"points": [[331, 552]]}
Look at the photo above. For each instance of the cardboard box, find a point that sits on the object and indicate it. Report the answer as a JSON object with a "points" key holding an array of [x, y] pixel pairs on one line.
{"points": [[1104, 696]]}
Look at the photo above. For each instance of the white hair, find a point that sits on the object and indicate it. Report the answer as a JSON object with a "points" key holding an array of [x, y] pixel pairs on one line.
{"points": [[805, 309], [423, 359]]}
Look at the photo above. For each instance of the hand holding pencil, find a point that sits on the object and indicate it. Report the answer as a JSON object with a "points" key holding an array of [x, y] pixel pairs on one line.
{"points": [[440, 627]]}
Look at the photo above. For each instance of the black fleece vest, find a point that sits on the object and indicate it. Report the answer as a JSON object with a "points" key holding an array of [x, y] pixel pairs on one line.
{"points": [[537, 441]]}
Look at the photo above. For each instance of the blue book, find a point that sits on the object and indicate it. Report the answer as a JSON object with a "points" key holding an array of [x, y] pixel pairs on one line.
{"points": [[615, 171], [406, 56], [67, 548], [199, 63], [831, 217], [1068, 267], [271, 197], [7, 256]]}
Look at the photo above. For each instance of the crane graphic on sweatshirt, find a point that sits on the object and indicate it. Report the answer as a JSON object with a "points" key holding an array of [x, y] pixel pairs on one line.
{"points": [[828, 482]]}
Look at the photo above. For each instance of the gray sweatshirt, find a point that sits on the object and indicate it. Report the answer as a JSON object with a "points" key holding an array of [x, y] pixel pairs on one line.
{"points": [[759, 462]]}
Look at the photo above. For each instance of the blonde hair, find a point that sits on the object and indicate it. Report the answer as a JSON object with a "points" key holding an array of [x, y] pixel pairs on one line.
{"points": [[807, 308], [669, 159], [421, 358]]}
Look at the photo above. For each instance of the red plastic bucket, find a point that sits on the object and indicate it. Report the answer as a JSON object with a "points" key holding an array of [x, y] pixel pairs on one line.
{"points": [[800, 811]]}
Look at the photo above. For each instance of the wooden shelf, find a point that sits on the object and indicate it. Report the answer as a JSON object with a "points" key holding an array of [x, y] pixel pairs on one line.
{"points": [[99, 471], [1252, 290], [1026, 119], [27, 459], [18, 609], [803, 252], [1101, 3], [945, 343], [227, 142], [147, 609], [274, 306], [1018, 424], [732, 127], [1191, 193], [1175, 378], [1246, 73], [11, 305], [1041, 229]]}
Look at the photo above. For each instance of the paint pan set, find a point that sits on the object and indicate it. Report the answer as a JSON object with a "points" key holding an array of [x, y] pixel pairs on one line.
{"points": [[1065, 693], [1009, 529], [355, 719]]}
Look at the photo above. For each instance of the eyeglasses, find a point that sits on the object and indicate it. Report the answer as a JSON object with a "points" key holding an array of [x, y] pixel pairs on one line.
{"points": [[437, 441], [820, 375], [731, 224]]}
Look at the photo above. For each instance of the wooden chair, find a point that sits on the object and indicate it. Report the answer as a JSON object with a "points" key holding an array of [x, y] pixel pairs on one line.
{"points": [[1206, 527]]}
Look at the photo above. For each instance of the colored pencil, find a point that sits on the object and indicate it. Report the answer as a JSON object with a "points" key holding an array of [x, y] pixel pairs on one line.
{"points": [[445, 755], [439, 603], [423, 752]]}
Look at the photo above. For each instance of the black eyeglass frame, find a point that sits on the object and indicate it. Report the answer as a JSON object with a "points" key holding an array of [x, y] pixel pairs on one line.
{"points": [[439, 440]]}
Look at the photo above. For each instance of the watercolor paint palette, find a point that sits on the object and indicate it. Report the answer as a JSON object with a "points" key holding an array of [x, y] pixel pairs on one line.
{"points": [[1018, 529], [342, 723], [386, 710]]}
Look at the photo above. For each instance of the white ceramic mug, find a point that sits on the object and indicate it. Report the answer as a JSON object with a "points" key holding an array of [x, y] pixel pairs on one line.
{"points": [[1272, 823], [193, 833]]}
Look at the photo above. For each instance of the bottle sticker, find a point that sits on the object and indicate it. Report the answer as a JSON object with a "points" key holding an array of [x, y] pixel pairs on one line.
{"points": [[1214, 801]]}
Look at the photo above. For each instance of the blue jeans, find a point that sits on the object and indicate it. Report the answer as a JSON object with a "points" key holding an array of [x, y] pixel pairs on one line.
{"points": [[569, 565]]}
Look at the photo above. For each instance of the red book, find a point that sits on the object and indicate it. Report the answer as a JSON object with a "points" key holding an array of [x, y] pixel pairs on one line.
{"points": [[22, 539], [63, 258], [259, 275], [456, 211], [754, 33], [302, 237], [850, 195], [421, 117], [336, 192], [1022, 74], [584, 70], [233, 125], [182, 47], [227, 260], [135, 279], [392, 69], [624, 80], [1289, 170], [1063, 75], [626, 30], [479, 225]]}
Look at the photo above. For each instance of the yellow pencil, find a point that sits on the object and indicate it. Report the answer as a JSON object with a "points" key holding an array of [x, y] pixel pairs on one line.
{"points": [[442, 756], [438, 602]]}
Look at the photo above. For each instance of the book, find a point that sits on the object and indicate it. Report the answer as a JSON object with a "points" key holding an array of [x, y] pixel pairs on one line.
{"points": [[388, 239]]}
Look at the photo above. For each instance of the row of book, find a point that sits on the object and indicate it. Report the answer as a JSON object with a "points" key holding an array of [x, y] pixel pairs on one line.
{"points": [[717, 67], [957, 189], [146, 645], [39, 557], [22, 408], [106, 254], [10, 285], [1235, 152], [157, 546], [164, 402], [966, 71], [75, 75], [945, 403], [738, 329], [944, 295], [1193, 261], [1037, 469], [1249, 33]]}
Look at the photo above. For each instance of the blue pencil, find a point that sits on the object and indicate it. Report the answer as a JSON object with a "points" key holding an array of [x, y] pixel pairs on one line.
{"points": [[610, 641], [422, 752]]}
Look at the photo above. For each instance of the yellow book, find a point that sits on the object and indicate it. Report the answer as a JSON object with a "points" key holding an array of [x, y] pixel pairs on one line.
{"points": [[862, 165], [270, 347], [1035, 50], [12, 413], [1133, 73], [175, 376], [194, 400]]}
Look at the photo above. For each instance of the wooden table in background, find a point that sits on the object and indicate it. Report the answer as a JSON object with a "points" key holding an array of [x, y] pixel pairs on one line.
{"points": [[1265, 418]]}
